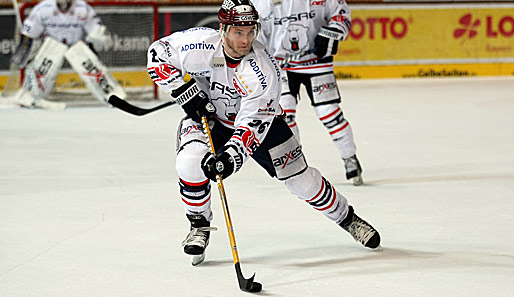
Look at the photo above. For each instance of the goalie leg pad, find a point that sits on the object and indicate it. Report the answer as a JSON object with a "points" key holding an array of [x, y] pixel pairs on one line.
{"points": [[41, 73], [93, 72]]}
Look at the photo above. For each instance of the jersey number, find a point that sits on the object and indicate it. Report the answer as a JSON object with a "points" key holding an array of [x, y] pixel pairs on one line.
{"points": [[262, 126]]}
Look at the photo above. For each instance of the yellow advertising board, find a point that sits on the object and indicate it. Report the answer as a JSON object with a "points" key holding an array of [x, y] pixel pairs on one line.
{"points": [[431, 40]]}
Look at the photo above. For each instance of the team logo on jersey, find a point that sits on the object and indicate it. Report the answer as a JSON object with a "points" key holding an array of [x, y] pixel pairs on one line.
{"points": [[240, 88], [297, 39]]}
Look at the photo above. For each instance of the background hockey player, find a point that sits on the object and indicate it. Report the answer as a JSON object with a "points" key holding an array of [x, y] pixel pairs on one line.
{"points": [[62, 24], [292, 27], [235, 83]]}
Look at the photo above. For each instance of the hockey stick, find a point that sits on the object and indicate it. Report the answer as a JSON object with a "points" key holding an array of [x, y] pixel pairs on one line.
{"points": [[283, 63], [132, 109], [247, 285]]}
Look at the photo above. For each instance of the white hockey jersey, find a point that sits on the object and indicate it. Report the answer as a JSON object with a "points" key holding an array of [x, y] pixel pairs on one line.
{"points": [[289, 27], [246, 96], [68, 27]]}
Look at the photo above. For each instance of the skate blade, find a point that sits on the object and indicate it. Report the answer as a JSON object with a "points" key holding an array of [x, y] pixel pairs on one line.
{"points": [[198, 259], [357, 181]]}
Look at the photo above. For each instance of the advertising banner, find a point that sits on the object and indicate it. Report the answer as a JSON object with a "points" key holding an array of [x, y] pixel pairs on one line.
{"points": [[465, 37], [7, 44]]}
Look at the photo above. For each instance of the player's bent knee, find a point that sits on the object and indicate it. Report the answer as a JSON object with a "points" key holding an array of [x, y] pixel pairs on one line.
{"points": [[188, 162]]}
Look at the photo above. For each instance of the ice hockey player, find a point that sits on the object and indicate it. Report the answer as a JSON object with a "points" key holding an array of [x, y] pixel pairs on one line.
{"points": [[293, 27], [235, 83], [61, 24]]}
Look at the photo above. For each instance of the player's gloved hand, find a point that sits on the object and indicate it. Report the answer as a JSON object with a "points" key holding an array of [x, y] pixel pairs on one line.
{"points": [[219, 164], [194, 101], [326, 42], [21, 56]]}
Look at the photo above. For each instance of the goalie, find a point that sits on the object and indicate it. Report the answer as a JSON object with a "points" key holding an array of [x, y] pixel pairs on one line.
{"points": [[65, 26]]}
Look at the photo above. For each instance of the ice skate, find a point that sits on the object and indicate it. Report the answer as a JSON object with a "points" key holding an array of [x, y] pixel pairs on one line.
{"points": [[361, 230], [353, 170], [198, 238]]}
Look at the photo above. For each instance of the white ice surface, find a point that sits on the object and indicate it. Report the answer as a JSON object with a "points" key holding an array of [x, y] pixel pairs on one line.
{"points": [[89, 204]]}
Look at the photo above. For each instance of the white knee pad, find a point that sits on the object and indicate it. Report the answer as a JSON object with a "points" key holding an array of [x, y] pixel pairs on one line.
{"points": [[188, 162]]}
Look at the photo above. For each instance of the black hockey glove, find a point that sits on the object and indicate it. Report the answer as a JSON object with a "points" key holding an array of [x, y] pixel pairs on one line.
{"points": [[21, 56], [221, 163], [194, 101], [326, 42]]}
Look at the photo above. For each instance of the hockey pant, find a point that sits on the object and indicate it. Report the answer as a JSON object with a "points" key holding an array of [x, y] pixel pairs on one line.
{"points": [[279, 154], [324, 95]]}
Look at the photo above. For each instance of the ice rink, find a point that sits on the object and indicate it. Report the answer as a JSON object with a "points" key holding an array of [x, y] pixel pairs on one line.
{"points": [[89, 202]]}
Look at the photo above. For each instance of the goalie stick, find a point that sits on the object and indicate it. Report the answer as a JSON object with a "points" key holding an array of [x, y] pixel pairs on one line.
{"points": [[132, 109]]}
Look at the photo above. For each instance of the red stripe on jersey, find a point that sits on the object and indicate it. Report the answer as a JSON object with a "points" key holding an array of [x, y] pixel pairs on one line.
{"points": [[335, 131], [290, 110]]}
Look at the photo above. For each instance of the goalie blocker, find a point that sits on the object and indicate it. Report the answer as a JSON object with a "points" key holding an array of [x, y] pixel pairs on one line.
{"points": [[41, 74]]}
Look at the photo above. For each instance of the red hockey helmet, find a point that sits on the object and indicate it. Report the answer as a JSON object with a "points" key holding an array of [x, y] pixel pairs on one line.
{"points": [[238, 13]]}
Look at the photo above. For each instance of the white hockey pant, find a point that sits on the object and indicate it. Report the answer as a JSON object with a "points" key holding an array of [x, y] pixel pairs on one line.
{"points": [[314, 189], [338, 127], [195, 189]]}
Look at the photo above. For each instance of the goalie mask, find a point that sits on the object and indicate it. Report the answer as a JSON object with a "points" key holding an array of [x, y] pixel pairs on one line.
{"points": [[64, 5]]}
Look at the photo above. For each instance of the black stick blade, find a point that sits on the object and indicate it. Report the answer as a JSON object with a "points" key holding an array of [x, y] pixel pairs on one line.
{"points": [[247, 285], [132, 109]]}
